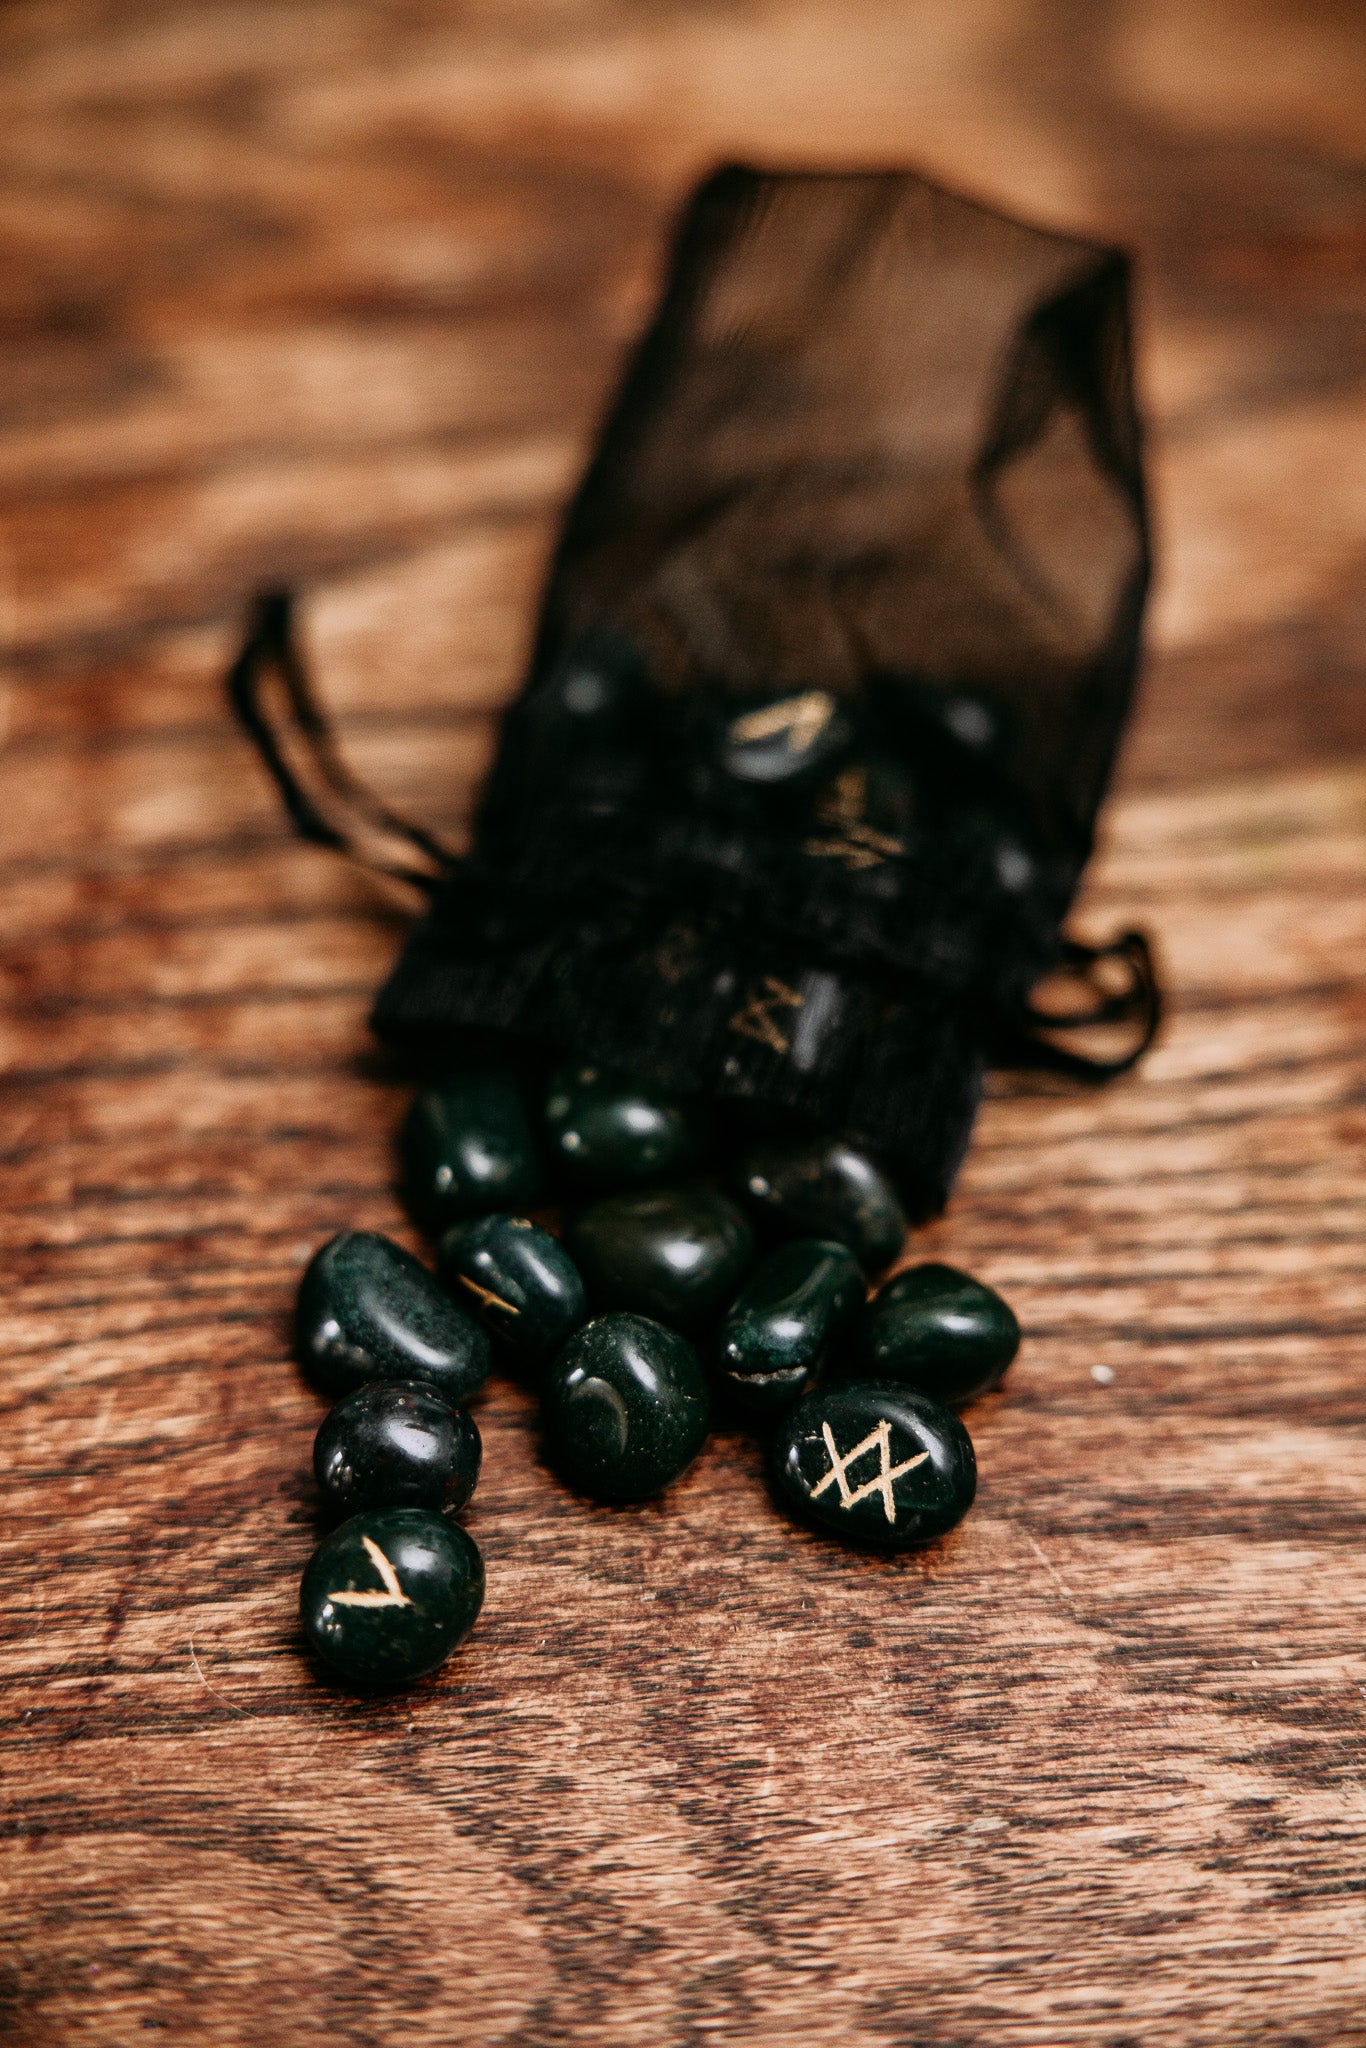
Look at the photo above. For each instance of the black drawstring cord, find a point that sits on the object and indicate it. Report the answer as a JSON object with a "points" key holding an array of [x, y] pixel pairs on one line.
{"points": [[269, 647], [1138, 1000]]}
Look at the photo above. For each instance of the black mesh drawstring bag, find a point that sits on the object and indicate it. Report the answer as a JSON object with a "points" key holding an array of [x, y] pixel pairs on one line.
{"points": [[832, 663]]}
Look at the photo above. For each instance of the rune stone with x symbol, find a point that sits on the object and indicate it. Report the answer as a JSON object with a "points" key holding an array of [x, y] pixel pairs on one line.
{"points": [[880, 1440]]}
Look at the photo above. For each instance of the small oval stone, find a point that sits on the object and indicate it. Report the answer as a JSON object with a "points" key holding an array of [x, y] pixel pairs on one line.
{"points": [[677, 1254], [578, 727], [940, 1330], [591, 695], [791, 739], [396, 1444], [388, 1595], [606, 1130], [467, 1146], [874, 1465], [520, 1282], [625, 1408], [368, 1310], [821, 1187], [795, 1304]]}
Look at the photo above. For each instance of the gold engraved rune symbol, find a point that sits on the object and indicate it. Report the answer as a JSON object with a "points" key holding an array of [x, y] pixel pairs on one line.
{"points": [[393, 1594], [756, 1019], [802, 718], [853, 840], [878, 1439], [487, 1296]]}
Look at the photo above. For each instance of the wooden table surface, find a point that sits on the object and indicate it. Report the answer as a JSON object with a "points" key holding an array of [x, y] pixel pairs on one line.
{"points": [[333, 291]]}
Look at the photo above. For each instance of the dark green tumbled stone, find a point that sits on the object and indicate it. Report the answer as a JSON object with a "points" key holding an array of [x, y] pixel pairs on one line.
{"points": [[625, 1408], [821, 1187], [605, 1130], [368, 1310], [940, 1330], [677, 1254], [389, 1594], [875, 1465], [520, 1282], [784, 1319], [467, 1146], [396, 1444]]}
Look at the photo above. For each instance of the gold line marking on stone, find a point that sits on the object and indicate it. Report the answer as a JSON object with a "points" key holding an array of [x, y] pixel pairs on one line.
{"points": [[489, 1299], [855, 842], [393, 1594], [755, 1019], [842, 804], [880, 842], [861, 847], [878, 1439], [802, 718], [854, 857]]}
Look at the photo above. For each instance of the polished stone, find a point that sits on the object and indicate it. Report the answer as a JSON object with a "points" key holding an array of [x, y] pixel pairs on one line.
{"points": [[467, 1146], [520, 1282], [947, 730], [677, 1254], [790, 740], [940, 1330], [605, 1130], [368, 1310], [625, 1408], [821, 1187], [874, 1465], [593, 695], [794, 1306], [388, 1595], [396, 1444]]}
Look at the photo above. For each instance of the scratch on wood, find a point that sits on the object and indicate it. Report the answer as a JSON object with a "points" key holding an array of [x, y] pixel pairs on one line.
{"points": [[1046, 1561], [199, 1674]]}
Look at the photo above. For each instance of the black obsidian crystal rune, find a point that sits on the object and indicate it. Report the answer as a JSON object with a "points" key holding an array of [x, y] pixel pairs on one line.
{"points": [[605, 1130], [795, 1304], [467, 1146], [625, 1408], [940, 1330], [677, 1254], [368, 1310], [519, 1280], [786, 741], [821, 1187], [388, 1595], [396, 1444], [874, 1465]]}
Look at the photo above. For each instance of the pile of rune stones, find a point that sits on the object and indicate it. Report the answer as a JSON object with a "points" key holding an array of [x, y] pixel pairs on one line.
{"points": [[666, 1298]]}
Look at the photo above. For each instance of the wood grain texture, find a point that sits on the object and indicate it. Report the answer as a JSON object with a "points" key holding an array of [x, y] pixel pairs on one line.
{"points": [[333, 291]]}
